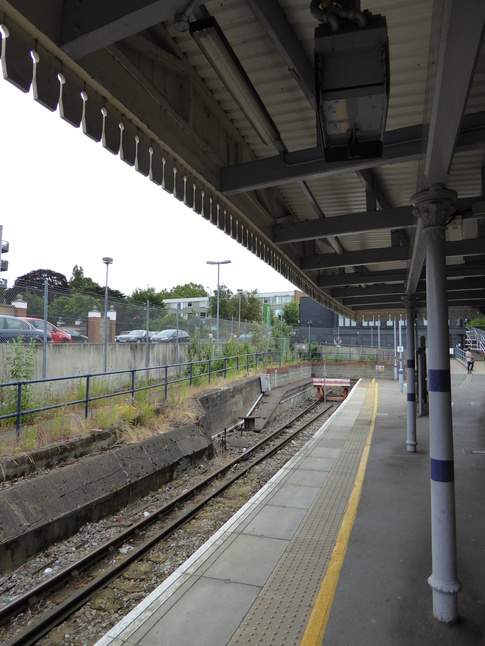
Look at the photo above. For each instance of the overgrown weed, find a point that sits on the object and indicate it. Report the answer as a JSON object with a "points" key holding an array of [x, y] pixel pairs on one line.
{"points": [[134, 419]]}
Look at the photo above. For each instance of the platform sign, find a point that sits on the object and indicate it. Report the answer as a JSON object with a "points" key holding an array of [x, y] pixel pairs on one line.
{"points": [[400, 348]]}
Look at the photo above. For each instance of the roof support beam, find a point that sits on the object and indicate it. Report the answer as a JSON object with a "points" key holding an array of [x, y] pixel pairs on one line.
{"points": [[337, 280], [400, 145], [343, 225], [275, 24], [91, 25], [459, 46], [455, 289], [351, 258], [449, 78], [469, 247]]}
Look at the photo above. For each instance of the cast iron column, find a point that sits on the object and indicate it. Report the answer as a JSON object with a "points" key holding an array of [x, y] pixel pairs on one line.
{"points": [[434, 207], [411, 443]]}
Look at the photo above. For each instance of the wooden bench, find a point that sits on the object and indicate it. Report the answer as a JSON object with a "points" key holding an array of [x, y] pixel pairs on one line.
{"points": [[323, 384]]}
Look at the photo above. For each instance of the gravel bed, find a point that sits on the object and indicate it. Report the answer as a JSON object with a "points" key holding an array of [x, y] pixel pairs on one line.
{"points": [[108, 607]]}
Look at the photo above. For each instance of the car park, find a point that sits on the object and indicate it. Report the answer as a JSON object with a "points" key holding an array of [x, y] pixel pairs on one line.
{"points": [[135, 336], [76, 336], [58, 335], [170, 336], [13, 327]]}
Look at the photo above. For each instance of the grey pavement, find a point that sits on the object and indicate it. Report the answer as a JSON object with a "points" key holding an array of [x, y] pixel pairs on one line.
{"points": [[382, 596], [257, 579]]}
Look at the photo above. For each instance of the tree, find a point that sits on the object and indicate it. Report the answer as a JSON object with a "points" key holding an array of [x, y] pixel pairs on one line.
{"points": [[35, 304], [225, 295], [81, 283], [478, 323], [189, 290], [71, 308], [291, 313], [34, 283], [253, 309], [148, 294]]}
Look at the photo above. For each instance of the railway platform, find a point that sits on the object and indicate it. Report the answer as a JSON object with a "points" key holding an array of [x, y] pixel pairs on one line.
{"points": [[336, 548]]}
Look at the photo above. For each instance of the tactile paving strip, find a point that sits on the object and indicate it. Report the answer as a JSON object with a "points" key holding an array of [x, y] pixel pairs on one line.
{"points": [[281, 612]]}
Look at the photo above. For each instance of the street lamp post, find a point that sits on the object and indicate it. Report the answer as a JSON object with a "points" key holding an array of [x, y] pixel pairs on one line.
{"points": [[218, 263], [239, 291], [107, 262]]}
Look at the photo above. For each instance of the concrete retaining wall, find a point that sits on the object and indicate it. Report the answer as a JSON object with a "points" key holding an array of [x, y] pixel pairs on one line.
{"points": [[66, 359], [38, 512], [289, 374], [225, 407], [356, 370]]}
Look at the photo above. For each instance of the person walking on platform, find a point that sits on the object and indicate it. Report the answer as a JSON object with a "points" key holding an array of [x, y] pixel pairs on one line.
{"points": [[469, 360]]}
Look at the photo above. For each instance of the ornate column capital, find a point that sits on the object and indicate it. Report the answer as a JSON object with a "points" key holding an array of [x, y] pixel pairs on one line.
{"points": [[434, 205]]}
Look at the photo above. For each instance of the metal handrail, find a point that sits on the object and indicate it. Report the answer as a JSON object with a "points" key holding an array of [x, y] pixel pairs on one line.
{"points": [[475, 339], [164, 377]]}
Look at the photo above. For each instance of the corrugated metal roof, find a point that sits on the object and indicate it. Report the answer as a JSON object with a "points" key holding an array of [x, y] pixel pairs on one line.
{"points": [[158, 83]]}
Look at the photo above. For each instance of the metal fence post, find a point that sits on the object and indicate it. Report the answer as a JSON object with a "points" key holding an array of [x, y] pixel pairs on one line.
{"points": [[147, 340], [132, 385], [44, 341], [86, 405], [19, 407]]}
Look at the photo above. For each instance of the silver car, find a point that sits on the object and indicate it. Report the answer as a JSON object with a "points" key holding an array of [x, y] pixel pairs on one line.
{"points": [[135, 336]]}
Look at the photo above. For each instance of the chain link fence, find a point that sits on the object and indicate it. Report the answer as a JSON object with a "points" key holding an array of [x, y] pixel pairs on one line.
{"points": [[74, 310]]}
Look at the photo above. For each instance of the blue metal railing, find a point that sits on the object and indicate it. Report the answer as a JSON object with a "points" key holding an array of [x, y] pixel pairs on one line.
{"points": [[139, 379], [163, 377]]}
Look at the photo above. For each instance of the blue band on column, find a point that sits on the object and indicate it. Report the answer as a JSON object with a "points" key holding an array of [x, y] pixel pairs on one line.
{"points": [[410, 363], [411, 397], [442, 470], [439, 381]]}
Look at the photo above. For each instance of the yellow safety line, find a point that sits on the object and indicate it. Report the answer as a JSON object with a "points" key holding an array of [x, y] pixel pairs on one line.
{"points": [[317, 623]]}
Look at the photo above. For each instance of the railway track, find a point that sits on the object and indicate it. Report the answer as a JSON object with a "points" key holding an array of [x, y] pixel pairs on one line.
{"points": [[76, 584]]}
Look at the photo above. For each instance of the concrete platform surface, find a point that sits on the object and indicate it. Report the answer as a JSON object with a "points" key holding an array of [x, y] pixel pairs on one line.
{"points": [[259, 579]]}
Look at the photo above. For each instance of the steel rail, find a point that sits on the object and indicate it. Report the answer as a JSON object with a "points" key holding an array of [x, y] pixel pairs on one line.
{"points": [[64, 609]]}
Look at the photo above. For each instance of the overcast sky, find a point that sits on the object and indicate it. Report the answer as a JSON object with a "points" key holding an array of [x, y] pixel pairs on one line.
{"points": [[66, 201]]}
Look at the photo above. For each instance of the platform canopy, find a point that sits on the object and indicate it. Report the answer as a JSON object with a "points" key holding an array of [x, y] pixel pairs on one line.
{"points": [[232, 107]]}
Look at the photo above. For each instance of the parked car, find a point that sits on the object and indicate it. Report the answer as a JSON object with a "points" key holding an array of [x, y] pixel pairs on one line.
{"points": [[58, 335], [245, 337], [76, 336], [13, 327], [170, 336], [135, 336]]}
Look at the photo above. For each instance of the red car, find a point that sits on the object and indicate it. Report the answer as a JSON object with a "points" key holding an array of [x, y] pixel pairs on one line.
{"points": [[58, 335]]}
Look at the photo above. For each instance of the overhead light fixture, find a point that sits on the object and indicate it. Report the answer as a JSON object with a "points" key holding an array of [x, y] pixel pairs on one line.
{"points": [[216, 48], [352, 87]]}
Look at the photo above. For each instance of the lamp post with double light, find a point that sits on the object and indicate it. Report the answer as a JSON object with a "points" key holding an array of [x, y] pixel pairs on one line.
{"points": [[218, 263], [107, 262]]}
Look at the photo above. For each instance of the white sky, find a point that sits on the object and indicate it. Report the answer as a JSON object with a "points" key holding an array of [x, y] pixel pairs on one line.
{"points": [[66, 201]]}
